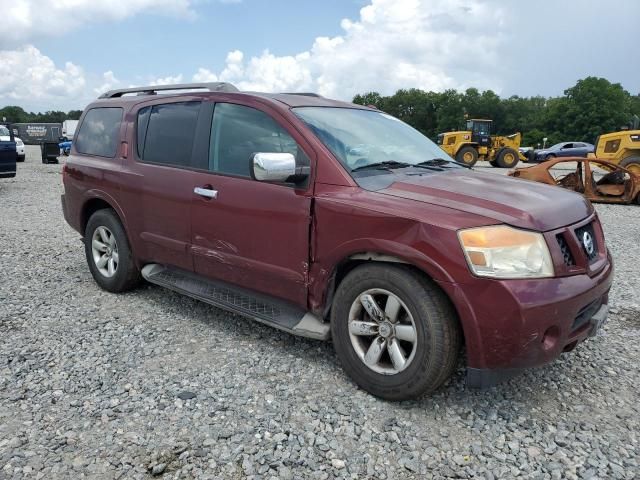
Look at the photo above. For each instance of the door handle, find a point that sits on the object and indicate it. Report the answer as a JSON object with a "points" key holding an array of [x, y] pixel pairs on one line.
{"points": [[206, 192]]}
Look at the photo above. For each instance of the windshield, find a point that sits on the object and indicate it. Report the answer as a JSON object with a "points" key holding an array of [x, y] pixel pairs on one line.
{"points": [[4, 131], [363, 137]]}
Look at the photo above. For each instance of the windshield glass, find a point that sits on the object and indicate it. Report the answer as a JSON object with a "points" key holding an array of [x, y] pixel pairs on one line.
{"points": [[363, 137], [4, 131]]}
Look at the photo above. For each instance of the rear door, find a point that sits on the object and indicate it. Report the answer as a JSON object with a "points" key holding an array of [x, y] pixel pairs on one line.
{"points": [[157, 184], [249, 233], [567, 150], [8, 154]]}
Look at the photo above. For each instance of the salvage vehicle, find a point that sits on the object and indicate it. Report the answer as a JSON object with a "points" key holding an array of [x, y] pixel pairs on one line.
{"points": [[8, 152], [336, 221], [476, 143], [598, 180], [563, 149]]}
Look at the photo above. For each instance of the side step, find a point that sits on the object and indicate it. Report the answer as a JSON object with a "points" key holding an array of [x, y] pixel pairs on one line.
{"points": [[263, 308]]}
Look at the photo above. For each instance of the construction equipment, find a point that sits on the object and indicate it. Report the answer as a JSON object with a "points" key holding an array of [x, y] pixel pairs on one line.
{"points": [[620, 148], [476, 143]]}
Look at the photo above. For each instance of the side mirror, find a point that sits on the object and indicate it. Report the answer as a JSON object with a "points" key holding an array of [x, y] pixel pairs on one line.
{"points": [[277, 167]]}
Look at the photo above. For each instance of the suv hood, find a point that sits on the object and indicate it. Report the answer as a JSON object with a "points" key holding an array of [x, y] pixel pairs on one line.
{"points": [[520, 203]]}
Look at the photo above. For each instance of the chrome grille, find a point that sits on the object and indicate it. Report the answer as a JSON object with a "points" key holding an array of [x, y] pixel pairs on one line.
{"points": [[566, 253]]}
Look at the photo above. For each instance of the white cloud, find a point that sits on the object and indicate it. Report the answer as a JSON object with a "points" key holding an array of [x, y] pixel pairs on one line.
{"points": [[429, 44], [167, 80], [28, 75], [24, 20], [110, 81]]}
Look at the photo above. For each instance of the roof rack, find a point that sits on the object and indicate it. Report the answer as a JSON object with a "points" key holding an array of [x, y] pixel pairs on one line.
{"points": [[304, 94], [154, 89]]}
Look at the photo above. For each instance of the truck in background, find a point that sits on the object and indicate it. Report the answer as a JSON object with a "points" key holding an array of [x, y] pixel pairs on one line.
{"points": [[37, 133], [69, 129]]}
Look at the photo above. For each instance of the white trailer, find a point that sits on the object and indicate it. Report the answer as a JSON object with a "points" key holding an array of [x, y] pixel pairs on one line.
{"points": [[69, 128]]}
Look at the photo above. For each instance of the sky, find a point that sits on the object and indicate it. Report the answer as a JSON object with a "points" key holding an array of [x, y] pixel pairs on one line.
{"points": [[61, 54]]}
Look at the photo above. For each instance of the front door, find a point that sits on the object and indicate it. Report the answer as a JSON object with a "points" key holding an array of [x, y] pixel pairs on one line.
{"points": [[249, 233]]}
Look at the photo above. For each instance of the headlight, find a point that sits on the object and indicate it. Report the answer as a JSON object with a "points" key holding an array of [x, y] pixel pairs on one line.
{"points": [[19, 142], [505, 252]]}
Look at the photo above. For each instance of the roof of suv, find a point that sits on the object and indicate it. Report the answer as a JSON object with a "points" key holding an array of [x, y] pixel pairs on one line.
{"points": [[139, 94]]}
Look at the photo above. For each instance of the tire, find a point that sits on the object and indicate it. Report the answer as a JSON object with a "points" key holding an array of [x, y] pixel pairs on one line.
{"points": [[494, 162], [531, 156], [43, 154], [551, 156], [467, 155], [508, 158], [430, 359], [632, 164], [20, 158], [124, 275]]}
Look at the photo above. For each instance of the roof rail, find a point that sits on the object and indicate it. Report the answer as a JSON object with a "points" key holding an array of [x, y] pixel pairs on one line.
{"points": [[304, 94], [154, 89]]}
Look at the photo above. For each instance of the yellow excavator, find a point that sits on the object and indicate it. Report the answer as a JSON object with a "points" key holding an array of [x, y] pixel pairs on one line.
{"points": [[476, 143]]}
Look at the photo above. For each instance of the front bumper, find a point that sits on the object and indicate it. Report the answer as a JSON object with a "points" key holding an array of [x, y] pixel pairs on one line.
{"points": [[511, 325]]}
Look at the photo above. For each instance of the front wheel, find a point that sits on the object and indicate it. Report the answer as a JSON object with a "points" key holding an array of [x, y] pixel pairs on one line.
{"points": [[467, 155], [108, 252], [508, 158], [632, 164], [394, 331]]}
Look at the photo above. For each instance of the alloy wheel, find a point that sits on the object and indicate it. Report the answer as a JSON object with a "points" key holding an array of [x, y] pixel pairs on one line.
{"points": [[104, 250], [382, 331]]}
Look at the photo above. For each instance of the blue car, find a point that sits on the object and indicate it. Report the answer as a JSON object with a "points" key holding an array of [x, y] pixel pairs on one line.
{"points": [[564, 149]]}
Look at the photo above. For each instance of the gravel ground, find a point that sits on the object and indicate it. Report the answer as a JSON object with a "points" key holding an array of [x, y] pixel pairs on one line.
{"points": [[152, 383]]}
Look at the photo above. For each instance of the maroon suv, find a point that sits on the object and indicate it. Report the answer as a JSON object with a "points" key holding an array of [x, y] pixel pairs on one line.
{"points": [[327, 219]]}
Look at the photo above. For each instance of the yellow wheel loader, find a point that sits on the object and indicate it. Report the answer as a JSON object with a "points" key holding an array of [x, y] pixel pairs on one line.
{"points": [[621, 148], [476, 143]]}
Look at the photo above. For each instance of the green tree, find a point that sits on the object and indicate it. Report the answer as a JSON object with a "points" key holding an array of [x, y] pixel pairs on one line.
{"points": [[592, 107]]}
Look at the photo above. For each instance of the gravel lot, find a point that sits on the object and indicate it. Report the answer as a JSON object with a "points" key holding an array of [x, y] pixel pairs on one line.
{"points": [[152, 383]]}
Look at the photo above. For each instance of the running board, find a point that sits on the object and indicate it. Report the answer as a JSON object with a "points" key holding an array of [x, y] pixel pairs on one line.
{"points": [[263, 308]]}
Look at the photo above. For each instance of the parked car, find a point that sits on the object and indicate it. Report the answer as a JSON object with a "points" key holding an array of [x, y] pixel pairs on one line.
{"points": [[332, 220], [564, 149], [599, 180], [8, 153]]}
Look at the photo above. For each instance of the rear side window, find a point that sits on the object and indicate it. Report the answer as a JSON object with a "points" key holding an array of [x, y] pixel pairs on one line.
{"points": [[239, 131], [98, 134], [170, 131]]}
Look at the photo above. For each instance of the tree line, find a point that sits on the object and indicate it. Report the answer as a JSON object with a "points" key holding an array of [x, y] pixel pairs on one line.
{"points": [[16, 114], [591, 107]]}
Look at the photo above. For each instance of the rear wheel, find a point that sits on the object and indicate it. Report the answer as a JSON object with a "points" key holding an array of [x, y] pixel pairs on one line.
{"points": [[394, 331], [108, 252], [632, 164], [507, 158], [467, 155]]}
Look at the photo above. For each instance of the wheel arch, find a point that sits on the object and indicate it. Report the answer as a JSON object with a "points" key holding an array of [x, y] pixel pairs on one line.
{"points": [[347, 262], [352, 261], [101, 201]]}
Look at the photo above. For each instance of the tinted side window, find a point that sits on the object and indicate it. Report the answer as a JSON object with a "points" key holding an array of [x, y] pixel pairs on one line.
{"points": [[239, 131], [141, 129], [98, 134], [170, 132]]}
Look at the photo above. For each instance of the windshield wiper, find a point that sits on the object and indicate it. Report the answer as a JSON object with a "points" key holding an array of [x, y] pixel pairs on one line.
{"points": [[439, 162], [386, 165]]}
